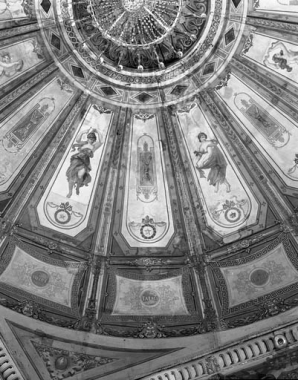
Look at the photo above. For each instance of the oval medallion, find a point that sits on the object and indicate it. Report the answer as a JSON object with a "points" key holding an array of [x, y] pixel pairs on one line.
{"points": [[259, 277], [40, 278], [150, 297]]}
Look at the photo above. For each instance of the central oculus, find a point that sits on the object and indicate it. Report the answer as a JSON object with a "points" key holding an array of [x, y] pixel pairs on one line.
{"points": [[135, 23]]}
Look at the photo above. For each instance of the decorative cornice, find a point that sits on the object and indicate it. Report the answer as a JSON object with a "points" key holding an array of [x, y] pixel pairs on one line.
{"points": [[8, 33], [272, 24], [272, 347], [8, 368], [246, 244], [19, 91]]}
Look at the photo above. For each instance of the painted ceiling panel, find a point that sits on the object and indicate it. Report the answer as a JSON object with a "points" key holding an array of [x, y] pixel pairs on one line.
{"points": [[229, 206], [273, 132], [26, 127], [278, 55], [65, 205], [18, 58], [262, 276], [36, 277], [147, 217], [287, 6], [164, 297]]}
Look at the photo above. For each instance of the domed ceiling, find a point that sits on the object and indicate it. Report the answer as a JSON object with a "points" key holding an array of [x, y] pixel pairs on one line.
{"points": [[148, 182], [166, 48]]}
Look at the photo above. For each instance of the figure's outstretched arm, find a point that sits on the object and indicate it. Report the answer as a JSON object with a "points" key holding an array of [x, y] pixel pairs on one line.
{"points": [[79, 141], [99, 141], [80, 136]]}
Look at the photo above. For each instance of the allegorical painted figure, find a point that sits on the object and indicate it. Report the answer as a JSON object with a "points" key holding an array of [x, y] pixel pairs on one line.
{"points": [[210, 157], [78, 173]]}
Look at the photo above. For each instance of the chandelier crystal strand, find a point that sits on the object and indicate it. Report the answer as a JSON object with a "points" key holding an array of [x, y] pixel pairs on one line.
{"points": [[140, 30]]}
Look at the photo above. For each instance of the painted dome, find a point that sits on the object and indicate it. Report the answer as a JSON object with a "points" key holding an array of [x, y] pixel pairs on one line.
{"points": [[148, 188]]}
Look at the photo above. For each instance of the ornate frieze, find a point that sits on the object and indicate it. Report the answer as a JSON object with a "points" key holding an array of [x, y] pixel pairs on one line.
{"points": [[263, 23]]}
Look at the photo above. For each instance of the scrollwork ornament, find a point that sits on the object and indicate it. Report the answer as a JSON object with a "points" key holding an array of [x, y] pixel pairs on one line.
{"points": [[28, 308], [8, 228], [268, 308], [248, 43], [210, 320], [33, 310], [149, 263], [224, 82], [144, 116], [186, 108], [238, 246], [62, 363], [151, 330], [101, 109], [256, 4]]}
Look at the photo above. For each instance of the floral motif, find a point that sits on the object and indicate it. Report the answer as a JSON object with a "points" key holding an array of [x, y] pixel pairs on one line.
{"points": [[277, 272], [62, 364]]}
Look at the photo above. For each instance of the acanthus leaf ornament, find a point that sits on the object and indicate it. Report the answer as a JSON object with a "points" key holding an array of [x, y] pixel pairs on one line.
{"points": [[149, 263]]}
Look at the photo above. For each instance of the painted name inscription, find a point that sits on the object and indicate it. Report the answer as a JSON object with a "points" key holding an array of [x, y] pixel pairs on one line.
{"points": [[40, 278], [150, 297]]}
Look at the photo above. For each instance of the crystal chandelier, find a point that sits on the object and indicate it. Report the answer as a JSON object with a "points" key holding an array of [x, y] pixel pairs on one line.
{"points": [[139, 34]]}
